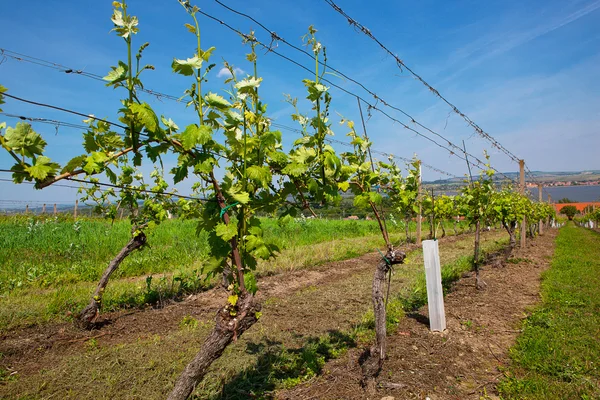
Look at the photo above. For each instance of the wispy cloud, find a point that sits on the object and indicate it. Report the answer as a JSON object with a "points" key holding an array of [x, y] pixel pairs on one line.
{"points": [[515, 31]]}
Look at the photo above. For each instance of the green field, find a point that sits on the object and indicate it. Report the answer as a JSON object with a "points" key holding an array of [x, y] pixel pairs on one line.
{"points": [[46, 252], [50, 265], [558, 354]]}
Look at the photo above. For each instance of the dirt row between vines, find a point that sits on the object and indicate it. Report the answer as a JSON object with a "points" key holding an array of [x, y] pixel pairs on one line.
{"points": [[464, 362], [53, 360]]}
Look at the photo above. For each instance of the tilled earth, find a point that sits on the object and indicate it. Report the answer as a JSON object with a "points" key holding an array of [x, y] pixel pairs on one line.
{"points": [[465, 361]]}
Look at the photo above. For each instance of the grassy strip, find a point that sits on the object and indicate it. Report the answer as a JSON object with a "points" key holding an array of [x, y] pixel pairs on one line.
{"points": [[47, 252], [558, 354], [40, 302], [28, 306]]}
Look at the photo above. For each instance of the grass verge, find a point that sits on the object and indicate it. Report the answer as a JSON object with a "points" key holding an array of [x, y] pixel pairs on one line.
{"points": [[558, 354]]}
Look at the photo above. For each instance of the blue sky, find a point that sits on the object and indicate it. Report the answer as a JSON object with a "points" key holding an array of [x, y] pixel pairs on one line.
{"points": [[526, 72]]}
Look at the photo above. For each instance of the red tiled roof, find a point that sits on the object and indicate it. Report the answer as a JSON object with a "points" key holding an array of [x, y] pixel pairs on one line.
{"points": [[579, 206]]}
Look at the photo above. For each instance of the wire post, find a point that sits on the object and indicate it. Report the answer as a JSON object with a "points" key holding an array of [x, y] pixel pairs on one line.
{"points": [[55, 209], [540, 223], [75, 209], [522, 190], [419, 198], [381, 211], [433, 227]]}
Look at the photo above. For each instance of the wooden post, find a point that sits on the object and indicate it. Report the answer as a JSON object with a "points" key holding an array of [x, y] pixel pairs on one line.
{"points": [[522, 190], [75, 209], [55, 209], [44, 209], [540, 223], [418, 234], [26, 208], [121, 216]]}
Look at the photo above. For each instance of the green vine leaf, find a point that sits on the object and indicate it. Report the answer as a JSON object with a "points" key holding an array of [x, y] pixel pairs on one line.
{"points": [[250, 282], [239, 195], [73, 164], [295, 169], [190, 28], [42, 168], [205, 55], [261, 175], [216, 101], [19, 173], [94, 163], [146, 115], [117, 74], [125, 26], [226, 231], [22, 139], [343, 186], [169, 124], [2, 90], [233, 299], [195, 135], [187, 67], [247, 85]]}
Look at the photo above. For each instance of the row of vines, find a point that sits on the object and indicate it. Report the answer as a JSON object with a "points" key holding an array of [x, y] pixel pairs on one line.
{"points": [[239, 170]]}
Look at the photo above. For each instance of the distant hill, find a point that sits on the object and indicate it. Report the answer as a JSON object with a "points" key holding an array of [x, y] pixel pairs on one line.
{"points": [[541, 176]]}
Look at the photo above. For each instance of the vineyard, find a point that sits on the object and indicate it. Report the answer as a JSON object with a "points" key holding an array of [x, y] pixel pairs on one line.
{"points": [[220, 258]]}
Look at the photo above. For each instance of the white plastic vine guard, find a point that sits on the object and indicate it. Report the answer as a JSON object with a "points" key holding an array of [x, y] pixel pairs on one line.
{"points": [[433, 277]]}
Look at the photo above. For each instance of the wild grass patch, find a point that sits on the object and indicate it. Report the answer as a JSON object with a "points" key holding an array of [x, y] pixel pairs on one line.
{"points": [[558, 354]]}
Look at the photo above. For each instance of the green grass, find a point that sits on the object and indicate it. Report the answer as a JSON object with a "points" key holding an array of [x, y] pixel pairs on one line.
{"points": [[558, 354], [51, 252], [50, 265], [48, 252]]}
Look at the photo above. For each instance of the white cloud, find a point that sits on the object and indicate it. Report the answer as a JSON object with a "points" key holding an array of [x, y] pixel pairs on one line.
{"points": [[224, 72], [511, 32]]}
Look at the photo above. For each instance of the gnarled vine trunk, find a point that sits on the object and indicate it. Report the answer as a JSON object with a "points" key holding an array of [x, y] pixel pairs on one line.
{"points": [[511, 228], [87, 317], [479, 283], [227, 329], [374, 357], [431, 227]]}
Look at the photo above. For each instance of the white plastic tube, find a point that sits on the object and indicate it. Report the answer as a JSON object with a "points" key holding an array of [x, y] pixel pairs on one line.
{"points": [[433, 277]]}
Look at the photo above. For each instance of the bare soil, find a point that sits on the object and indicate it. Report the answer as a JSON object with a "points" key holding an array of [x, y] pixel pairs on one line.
{"points": [[465, 361]]}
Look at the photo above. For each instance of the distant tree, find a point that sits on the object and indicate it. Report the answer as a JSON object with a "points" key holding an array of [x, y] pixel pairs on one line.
{"points": [[566, 200], [569, 211]]}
